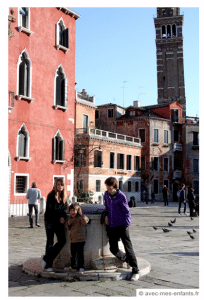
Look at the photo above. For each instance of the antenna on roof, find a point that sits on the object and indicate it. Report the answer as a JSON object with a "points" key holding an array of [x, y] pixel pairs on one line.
{"points": [[123, 87]]}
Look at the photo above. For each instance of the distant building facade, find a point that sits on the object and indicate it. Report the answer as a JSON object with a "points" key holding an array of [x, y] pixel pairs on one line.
{"points": [[100, 154]]}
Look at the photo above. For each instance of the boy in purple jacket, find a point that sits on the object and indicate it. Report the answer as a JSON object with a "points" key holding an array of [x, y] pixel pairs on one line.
{"points": [[118, 220]]}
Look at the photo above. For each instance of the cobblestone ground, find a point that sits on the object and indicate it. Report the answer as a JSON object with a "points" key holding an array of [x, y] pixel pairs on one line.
{"points": [[174, 256]]}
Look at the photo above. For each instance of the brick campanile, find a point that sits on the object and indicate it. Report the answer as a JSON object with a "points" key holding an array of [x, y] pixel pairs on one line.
{"points": [[169, 49]]}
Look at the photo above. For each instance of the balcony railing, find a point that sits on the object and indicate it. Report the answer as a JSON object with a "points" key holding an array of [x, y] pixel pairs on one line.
{"points": [[107, 135], [177, 147], [11, 97]]}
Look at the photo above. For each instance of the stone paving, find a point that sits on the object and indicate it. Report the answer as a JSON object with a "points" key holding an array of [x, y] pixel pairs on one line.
{"points": [[174, 256]]}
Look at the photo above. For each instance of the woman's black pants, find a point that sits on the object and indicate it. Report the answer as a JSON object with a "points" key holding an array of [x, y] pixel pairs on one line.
{"points": [[53, 250], [120, 232]]}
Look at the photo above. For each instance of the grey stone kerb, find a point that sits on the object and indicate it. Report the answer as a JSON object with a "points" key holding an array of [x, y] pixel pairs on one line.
{"points": [[99, 262]]}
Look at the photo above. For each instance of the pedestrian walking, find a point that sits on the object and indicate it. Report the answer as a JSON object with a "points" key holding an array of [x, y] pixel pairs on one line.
{"points": [[33, 195], [165, 192], [191, 201], [118, 221], [77, 236], [55, 217], [182, 199]]}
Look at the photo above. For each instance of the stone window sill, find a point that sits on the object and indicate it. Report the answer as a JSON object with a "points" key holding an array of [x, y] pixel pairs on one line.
{"points": [[60, 47], [21, 97], [58, 161], [23, 158], [61, 107], [23, 29]]}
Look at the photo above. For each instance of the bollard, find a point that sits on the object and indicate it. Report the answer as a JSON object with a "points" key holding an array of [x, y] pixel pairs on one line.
{"points": [[100, 199], [74, 199], [42, 205]]}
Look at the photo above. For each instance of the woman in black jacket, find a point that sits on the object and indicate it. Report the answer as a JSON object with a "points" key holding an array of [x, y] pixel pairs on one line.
{"points": [[191, 201], [55, 217]]}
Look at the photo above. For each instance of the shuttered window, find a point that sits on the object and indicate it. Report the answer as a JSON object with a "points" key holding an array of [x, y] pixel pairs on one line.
{"points": [[62, 36], [21, 144], [120, 164], [137, 163], [61, 89], [24, 77], [156, 135], [58, 148], [97, 159]]}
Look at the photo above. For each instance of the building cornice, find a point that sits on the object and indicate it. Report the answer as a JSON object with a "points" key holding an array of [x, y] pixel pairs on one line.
{"points": [[70, 12]]}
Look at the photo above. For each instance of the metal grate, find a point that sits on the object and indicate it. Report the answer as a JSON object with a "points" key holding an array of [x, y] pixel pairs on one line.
{"points": [[21, 185]]}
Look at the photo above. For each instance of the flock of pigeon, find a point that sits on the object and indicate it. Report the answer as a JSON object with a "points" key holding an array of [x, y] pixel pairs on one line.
{"points": [[171, 224]]}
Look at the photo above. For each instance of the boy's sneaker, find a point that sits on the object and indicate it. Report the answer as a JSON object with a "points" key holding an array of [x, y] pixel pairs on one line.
{"points": [[81, 271], [135, 277], [49, 269], [43, 262]]}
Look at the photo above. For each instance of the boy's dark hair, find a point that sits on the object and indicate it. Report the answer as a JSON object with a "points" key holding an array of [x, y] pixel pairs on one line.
{"points": [[112, 181], [75, 206]]}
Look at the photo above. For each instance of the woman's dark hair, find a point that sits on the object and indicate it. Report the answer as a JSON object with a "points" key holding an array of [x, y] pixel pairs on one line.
{"points": [[75, 206], [112, 181]]}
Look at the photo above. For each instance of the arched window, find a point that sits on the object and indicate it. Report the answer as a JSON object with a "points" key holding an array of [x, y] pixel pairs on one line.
{"points": [[24, 76], [168, 31], [24, 71], [58, 148], [174, 30], [62, 36], [23, 142], [61, 88], [163, 31]]}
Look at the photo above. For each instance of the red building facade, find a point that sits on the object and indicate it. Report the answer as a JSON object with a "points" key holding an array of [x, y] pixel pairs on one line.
{"points": [[41, 65]]}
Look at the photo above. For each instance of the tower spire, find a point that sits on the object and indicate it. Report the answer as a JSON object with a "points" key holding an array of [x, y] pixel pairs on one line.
{"points": [[169, 49]]}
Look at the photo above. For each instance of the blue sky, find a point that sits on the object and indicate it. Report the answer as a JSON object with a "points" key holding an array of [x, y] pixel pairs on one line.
{"points": [[117, 44]]}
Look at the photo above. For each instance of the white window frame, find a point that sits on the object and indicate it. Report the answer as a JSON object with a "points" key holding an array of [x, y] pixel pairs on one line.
{"points": [[58, 176], [137, 181], [129, 181], [85, 129], [101, 158], [56, 106], [112, 111], [29, 97], [130, 155], [27, 184], [58, 134], [156, 141], [98, 180], [22, 28], [165, 183], [166, 143], [123, 161], [57, 44], [113, 161], [135, 163], [120, 184], [27, 145]]}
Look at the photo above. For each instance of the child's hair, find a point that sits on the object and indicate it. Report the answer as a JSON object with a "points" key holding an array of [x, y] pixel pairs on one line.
{"points": [[75, 206], [112, 181], [58, 195]]}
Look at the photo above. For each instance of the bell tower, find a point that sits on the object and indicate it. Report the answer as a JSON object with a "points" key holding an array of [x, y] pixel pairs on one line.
{"points": [[169, 51]]}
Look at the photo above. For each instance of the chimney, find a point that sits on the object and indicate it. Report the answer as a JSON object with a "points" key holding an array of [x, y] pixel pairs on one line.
{"points": [[136, 103]]}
